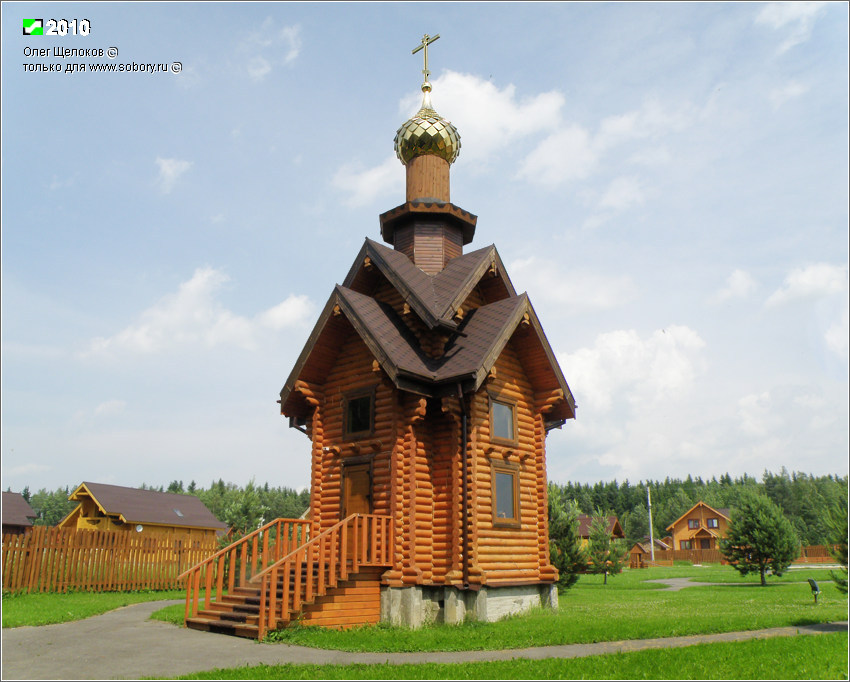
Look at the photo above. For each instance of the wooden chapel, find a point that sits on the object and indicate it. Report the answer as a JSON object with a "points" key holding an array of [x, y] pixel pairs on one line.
{"points": [[427, 388]]}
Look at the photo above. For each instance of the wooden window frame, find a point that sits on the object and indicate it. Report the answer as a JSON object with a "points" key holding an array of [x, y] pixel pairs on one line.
{"points": [[712, 523], [355, 395], [513, 407], [513, 470], [693, 524], [682, 544]]}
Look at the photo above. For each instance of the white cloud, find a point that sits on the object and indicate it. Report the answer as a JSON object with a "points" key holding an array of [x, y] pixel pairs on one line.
{"points": [[756, 414], [364, 186], [170, 170], [838, 335], [270, 46], [797, 16], [622, 193], [574, 291], [813, 281], [574, 153], [258, 68], [739, 284], [288, 313], [567, 155], [194, 317], [778, 96], [110, 407], [623, 369]]}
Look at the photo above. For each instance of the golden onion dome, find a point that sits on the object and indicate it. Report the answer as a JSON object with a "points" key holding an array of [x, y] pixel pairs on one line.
{"points": [[427, 133]]}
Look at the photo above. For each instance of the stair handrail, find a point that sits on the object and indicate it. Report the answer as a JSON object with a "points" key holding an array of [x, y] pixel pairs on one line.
{"points": [[193, 584], [245, 538], [313, 540]]}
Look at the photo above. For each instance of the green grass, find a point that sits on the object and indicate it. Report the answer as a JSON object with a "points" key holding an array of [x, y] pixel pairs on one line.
{"points": [[626, 608], [50, 607], [820, 657]]}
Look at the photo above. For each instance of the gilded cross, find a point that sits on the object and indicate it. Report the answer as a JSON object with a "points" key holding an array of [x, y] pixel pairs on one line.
{"points": [[426, 41]]}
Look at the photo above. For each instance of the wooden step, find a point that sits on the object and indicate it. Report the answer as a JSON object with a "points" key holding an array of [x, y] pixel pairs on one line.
{"points": [[223, 627]]}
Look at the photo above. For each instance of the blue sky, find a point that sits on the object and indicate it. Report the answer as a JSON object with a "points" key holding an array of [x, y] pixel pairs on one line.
{"points": [[668, 182]]}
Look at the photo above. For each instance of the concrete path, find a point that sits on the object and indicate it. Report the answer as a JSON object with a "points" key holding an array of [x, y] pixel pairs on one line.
{"points": [[124, 644]]}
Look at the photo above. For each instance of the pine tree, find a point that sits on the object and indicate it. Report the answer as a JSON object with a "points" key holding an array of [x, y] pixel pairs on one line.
{"points": [[759, 538], [565, 550], [606, 556], [838, 532]]}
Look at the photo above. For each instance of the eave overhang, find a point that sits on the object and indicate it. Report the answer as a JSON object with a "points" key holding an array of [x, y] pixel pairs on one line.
{"points": [[431, 209]]}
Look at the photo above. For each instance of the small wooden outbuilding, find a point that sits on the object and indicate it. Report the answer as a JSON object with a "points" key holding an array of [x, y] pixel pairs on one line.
{"points": [[112, 507]]}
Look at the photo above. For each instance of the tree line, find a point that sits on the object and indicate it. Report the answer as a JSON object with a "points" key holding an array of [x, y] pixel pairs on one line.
{"points": [[805, 500]]}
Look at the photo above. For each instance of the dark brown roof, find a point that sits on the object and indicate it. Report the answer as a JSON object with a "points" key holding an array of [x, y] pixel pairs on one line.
{"points": [[16, 510], [468, 357], [133, 505], [586, 520], [435, 298], [474, 343]]}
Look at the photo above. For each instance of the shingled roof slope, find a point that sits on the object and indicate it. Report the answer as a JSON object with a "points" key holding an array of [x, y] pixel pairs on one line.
{"points": [[133, 505], [435, 298], [16, 510]]}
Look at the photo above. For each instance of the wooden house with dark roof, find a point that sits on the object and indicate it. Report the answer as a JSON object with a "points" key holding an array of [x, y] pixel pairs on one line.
{"points": [[17, 514], [116, 508], [585, 521], [427, 388]]}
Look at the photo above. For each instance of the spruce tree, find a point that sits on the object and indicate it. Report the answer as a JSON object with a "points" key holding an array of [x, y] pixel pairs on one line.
{"points": [[759, 537], [606, 555], [565, 549]]}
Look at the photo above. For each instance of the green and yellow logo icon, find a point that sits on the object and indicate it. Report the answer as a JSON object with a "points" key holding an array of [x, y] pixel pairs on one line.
{"points": [[33, 27]]}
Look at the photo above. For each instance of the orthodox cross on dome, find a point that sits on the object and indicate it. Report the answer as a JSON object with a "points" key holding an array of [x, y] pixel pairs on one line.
{"points": [[426, 41]]}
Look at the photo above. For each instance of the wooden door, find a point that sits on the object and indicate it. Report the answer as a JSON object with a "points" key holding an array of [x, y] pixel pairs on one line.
{"points": [[356, 489]]}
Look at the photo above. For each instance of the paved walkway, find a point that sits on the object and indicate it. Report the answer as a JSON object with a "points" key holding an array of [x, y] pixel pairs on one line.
{"points": [[124, 644]]}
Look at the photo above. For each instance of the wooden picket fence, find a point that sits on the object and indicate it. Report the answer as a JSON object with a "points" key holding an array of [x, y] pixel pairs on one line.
{"points": [[60, 559], [812, 554]]}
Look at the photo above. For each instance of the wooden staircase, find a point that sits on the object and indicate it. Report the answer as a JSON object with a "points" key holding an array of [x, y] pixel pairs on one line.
{"points": [[268, 587]]}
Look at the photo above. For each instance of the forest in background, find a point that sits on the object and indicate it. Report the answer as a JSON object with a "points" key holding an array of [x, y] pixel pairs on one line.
{"points": [[803, 498]]}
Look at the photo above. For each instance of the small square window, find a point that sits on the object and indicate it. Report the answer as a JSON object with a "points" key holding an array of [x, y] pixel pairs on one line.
{"points": [[505, 482], [685, 544], [502, 421], [693, 523], [712, 523], [359, 414]]}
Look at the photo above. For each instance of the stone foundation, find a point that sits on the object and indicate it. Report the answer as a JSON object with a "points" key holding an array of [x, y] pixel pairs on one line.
{"points": [[419, 605]]}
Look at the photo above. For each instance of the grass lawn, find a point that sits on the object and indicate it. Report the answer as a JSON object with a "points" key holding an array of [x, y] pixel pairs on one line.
{"points": [[625, 608], [47, 608], [818, 657]]}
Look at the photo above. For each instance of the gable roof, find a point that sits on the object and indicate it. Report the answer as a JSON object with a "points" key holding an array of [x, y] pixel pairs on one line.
{"points": [[469, 354], [16, 510], [645, 546], [132, 505], [435, 298], [585, 521], [720, 511]]}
